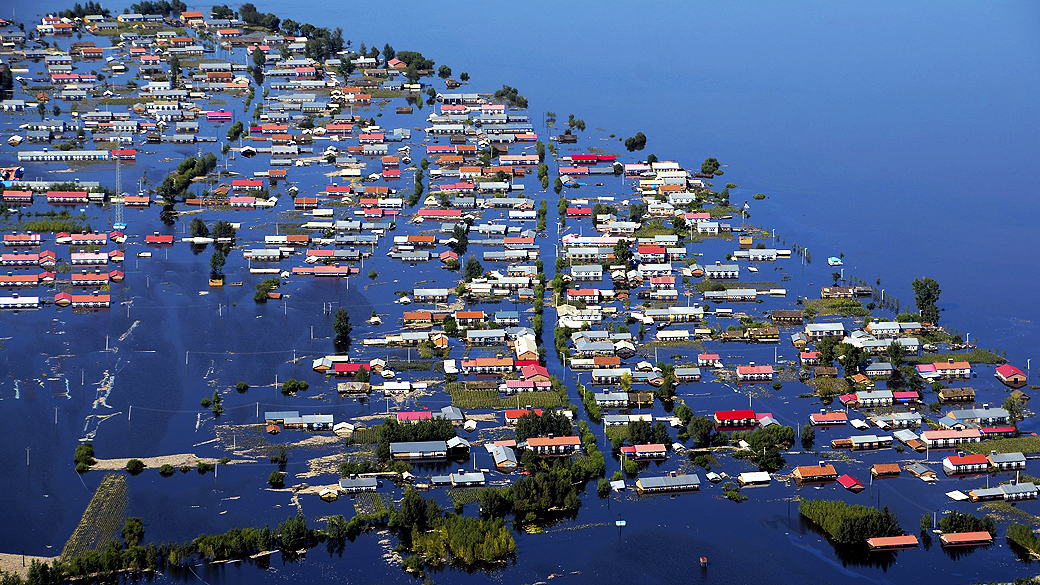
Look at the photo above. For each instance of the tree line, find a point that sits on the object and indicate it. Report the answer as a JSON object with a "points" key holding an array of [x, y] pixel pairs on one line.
{"points": [[425, 430], [850, 524], [550, 423]]}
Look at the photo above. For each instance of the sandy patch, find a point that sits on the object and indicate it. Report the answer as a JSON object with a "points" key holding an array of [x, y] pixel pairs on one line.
{"points": [[10, 563], [157, 462]]}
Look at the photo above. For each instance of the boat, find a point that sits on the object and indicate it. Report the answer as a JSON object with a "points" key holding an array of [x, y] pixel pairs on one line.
{"points": [[375, 321], [15, 140], [834, 261], [704, 562], [752, 269]]}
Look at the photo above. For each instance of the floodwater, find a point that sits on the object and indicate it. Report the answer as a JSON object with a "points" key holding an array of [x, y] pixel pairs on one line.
{"points": [[890, 135]]}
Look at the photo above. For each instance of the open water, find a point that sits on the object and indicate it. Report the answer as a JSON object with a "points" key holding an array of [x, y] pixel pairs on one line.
{"points": [[903, 136]]}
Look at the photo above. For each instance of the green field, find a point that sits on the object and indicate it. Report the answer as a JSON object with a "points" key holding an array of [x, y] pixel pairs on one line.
{"points": [[1015, 445], [976, 356], [488, 398]]}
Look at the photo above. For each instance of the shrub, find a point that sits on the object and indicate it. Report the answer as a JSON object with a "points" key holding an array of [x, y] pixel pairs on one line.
{"points": [[166, 470], [84, 457], [276, 479], [135, 466]]}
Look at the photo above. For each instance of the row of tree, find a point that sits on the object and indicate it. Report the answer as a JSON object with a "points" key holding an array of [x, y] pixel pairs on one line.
{"points": [[425, 430], [80, 10], [848, 524], [550, 422], [176, 184], [162, 7], [132, 556]]}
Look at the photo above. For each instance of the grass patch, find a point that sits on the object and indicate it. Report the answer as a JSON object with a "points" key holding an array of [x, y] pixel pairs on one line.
{"points": [[489, 398], [366, 435], [386, 93], [422, 366], [721, 211], [102, 519], [976, 356], [125, 101], [649, 231], [467, 496], [1002, 510], [843, 307], [1014, 445], [369, 503], [53, 225], [829, 387]]}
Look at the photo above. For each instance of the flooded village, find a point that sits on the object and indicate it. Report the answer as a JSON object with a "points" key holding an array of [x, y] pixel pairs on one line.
{"points": [[295, 295]]}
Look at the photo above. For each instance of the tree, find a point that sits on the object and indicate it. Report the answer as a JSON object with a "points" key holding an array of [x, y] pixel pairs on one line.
{"points": [[660, 433], [461, 243], [292, 385], [223, 12], [895, 354], [684, 413], [639, 432], [362, 376], [175, 70], [134, 466], [710, 165], [276, 479], [223, 229], [473, 269], [199, 228], [850, 358], [341, 326], [1014, 405], [700, 429], [216, 263], [808, 436], [444, 72], [771, 460], [6, 79], [926, 295], [826, 348], [451, 327], [463, 76], [388, 52], [133, 531], [626, 382], [84, 457], [622, 252], [636, 142]]}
